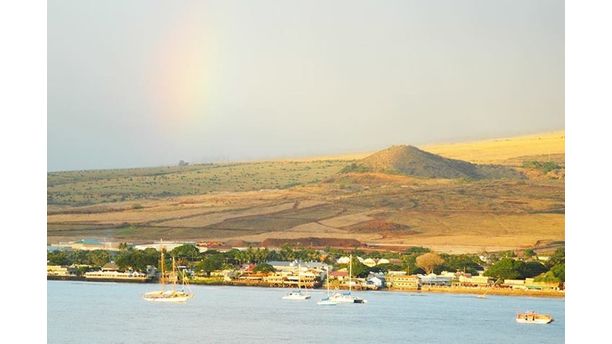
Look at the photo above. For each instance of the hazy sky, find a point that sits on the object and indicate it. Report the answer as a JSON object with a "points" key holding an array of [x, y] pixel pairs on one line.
{"points": [[143, 83]]}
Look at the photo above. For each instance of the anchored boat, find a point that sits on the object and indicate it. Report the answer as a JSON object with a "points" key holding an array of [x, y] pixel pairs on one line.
{"points": [[170, 295], [327, 301], [533, 318], [297, 294]]}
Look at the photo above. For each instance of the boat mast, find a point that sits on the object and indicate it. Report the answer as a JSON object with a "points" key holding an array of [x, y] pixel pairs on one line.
{"points": [[350, 271], [299, 275], [327, 279], [174, 275], [161, 264]]}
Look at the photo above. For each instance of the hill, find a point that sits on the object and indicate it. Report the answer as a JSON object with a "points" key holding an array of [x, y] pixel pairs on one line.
{"points": [[411, 161], [308, 201]]}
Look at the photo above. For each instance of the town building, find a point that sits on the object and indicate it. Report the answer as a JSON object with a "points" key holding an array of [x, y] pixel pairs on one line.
{"points": [[400, 280]]}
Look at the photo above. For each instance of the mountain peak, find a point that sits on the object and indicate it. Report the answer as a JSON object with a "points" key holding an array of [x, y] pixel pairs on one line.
{"points": [[410, 160]]}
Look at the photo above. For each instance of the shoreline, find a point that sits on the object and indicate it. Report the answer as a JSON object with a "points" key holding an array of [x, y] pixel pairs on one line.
{"points": [[426, 290]]}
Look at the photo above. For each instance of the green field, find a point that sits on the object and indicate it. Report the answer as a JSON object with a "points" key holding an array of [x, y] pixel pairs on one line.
{"points": [[78, 188]]}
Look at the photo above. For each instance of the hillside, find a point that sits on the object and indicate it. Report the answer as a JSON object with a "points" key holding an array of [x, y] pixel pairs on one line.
{"points": [[411, 161], [502, 151], [310, 201]]}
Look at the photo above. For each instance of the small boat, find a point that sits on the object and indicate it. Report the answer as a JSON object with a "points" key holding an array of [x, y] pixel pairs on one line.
{"points": [[171, 295], [347, 297], [327, 301], [297, 294], [533, 318]]}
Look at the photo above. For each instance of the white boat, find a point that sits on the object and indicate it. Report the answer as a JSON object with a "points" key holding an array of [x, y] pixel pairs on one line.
{"points": [[533, 318], [347, 297], [171, 295], [327, 301], [297, 294]]}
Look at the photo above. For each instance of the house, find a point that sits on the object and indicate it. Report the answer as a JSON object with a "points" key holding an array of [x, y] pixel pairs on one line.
{"points": [[167, 245], [383, 261], [514, 284], [58, 270], [475, 281], [369, 262], [280, 265], [343, 260], [402, 281], [94, 244], [111, 266], [375, 281], [435, 280], [339, 275], [531, 284]]}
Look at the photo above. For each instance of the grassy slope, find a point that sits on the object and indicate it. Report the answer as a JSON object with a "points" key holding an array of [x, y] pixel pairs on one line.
{"points": [[308, 198]]}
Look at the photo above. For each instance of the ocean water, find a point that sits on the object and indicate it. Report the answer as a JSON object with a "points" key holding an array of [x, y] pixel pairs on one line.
{"points": [[86, 312]]}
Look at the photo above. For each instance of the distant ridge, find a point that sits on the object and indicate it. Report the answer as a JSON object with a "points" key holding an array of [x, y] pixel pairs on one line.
{"points": [[409, 160]]}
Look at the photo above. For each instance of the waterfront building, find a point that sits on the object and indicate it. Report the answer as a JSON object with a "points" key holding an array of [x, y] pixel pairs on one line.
{"points": [[110, 272], [59, 271], [339, 275], [402, 281], [435, 280]]}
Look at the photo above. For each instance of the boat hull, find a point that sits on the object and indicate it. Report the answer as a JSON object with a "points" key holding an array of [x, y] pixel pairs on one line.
{"points": [[536, 321], [179, 299], [533, 318], [326, 303], [159, 296], [296, 297]]}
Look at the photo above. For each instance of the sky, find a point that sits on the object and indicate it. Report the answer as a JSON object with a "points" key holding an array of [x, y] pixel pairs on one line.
{"points": [[135, 83]]}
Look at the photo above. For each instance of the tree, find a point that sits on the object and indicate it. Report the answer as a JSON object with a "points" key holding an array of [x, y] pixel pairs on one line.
{"points": [[555, 274], [529, 253], [58, 258], [210, 263], [417, 250], [506, 268], [429, 261], [409, 265], [358, 268], [557, 258], [187, 251], [462, 262], [98, 257], [264, 267], [559, 271], [532, 269]]}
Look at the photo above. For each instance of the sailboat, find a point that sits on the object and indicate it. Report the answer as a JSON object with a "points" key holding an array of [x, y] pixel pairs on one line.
{"points": [[326, 301], [170, 295], [347, 297], [297, 294]]}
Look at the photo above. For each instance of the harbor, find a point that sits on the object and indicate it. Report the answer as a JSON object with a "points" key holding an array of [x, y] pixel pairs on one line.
{"points": [[260, 315]]}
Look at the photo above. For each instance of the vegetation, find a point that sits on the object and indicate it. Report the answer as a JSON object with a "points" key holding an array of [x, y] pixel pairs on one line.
{"points": [[415, 260], [355, 168], [462, 262], [543, 166], [508, 268], [263, 267], [429, 261]]}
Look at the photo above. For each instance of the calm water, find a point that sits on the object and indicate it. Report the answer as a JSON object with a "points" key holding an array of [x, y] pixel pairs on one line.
{"points": [[85, 312]]}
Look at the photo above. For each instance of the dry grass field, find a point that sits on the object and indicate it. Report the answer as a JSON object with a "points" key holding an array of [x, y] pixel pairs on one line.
{"points": [[309, 198]]}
